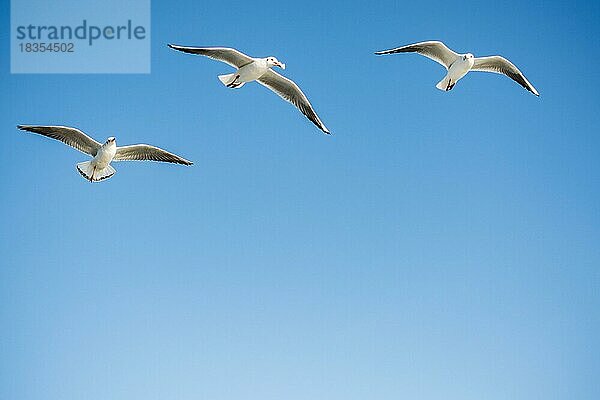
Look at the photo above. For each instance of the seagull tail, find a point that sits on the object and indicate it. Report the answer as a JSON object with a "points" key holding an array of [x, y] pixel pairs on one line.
{"points": [[93, 174], [445, 84], [228, 79]]}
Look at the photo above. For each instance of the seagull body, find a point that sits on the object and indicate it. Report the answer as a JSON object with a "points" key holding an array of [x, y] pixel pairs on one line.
{"points": [[456, 71], [458, 65], [99, 168], [100, 163], [250, 72], [250, 69]]}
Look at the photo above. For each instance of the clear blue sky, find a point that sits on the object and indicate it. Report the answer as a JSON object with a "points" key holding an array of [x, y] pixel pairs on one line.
{"points": [[437, 246]]}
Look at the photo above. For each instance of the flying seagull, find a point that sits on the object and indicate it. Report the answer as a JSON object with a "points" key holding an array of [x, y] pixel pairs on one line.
{"points": [[257, 69], [98, 168], [459, 64]]}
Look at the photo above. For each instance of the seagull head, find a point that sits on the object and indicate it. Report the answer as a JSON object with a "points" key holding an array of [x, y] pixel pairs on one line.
{"points": [[110, 140], [468, 56], [273, 62]]}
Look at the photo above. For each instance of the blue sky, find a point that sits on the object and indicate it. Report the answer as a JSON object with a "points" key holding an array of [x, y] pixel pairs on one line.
{"points": [[437, 246]]}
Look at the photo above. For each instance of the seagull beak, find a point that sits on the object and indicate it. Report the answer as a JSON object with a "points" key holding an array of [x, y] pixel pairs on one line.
{"points": [[281, 65]]}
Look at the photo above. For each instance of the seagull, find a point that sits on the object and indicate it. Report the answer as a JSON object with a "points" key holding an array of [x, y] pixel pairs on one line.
{"points": [[459, 64], [257, 69], [98, 168]]}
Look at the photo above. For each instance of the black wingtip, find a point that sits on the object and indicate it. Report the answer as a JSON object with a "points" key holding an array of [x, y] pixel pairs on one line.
{"points": [[29, 128], [183, 161], [534, 92]]}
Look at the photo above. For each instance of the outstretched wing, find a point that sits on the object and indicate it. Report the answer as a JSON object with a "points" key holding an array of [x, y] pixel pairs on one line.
{"points": [[233, 57], [69, 136], [141, 152], [501, 65], [289, 91], [435, 50]]}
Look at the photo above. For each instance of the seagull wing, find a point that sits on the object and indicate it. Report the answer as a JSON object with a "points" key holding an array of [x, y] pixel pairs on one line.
{"points": [[143, 152], [435, 50], [70, 136], [501, 65], [233, 57], [289, 91]]}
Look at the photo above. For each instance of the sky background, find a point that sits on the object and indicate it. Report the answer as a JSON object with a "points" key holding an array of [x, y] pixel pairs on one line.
{"points": [[437, 246]]}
